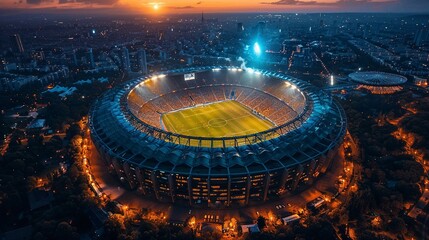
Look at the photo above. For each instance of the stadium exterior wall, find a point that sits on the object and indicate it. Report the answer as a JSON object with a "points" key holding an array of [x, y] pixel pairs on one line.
{"points": [[284, 165], [229, 190]]}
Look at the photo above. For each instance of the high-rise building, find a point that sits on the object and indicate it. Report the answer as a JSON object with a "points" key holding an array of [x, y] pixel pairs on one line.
{"points": [[38, 55], [126, 65], [261, 27], [74, 57], [179, 46], [322, 23], [240, 27], [163, 55], [18, 47], [161, 35], [421, 37], [190, 60], [91, 58], [142, 61]]}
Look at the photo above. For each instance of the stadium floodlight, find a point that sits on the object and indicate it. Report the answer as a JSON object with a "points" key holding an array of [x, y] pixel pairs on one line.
{"points": [[162, 76], [250, 70], [293, 86], [332, 80], [257, 49]]}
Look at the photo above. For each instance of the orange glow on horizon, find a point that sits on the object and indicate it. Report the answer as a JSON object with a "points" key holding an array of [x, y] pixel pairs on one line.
{"points": [[209, 6]]}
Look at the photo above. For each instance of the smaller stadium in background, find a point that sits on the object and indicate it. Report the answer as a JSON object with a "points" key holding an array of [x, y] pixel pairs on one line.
{"points": [[378, 82], [217, 136]]}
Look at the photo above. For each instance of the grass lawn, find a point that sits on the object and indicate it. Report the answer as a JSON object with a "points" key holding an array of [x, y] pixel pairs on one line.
{"points": [[220, 119]]}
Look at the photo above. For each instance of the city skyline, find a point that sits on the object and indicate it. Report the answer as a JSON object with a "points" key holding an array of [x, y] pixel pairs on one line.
{"points": [[211, 6]]}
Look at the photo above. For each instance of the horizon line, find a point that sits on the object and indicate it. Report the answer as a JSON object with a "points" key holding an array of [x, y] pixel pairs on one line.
{"points": [[131, 12]]}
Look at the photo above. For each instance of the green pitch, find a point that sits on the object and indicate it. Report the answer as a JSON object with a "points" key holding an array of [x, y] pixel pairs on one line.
{"points": [[221, 119]]}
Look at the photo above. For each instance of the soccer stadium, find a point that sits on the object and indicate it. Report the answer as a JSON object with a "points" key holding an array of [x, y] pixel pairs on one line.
{"points": [[378, 82], [217, 136]]}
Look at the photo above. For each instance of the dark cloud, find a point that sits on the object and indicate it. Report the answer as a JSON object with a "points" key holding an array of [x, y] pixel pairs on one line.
{"points": [[34, 2], [339, 2], [363, 2], [414, 3], [37, 2], [184, 7], [292, 2], [98, 2]]}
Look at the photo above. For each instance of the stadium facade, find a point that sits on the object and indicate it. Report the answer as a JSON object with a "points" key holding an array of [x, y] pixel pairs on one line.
{"points": [[378, 82], [225, 171]]}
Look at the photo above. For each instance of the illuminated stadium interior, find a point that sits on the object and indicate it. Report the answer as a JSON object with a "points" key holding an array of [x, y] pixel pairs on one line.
{"points": [[269, 99], [304, 129], [227, 118]]}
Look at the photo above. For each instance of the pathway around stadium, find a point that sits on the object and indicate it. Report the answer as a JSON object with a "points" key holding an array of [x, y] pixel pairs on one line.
{"points": [[111, 186]]}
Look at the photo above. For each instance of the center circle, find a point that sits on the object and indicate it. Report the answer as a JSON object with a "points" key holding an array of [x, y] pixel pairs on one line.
{"points": [[217, 122]]}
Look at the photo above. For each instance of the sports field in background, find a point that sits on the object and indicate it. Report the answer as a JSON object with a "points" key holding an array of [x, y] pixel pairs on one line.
{"points": [[221, 119]]}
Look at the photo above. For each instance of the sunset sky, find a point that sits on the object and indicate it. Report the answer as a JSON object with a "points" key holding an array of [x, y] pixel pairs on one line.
{"points": [[189, 6]]}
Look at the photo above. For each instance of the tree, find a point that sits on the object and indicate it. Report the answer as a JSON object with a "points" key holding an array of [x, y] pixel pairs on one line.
{"points": [[410, 191], [73, 130], [56, 114], [262, 222], [31, 183], [211, 233], [65, 232], [397, 225], [114, 227], [361, 202]]}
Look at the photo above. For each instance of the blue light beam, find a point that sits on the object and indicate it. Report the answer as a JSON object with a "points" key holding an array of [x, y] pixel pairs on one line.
{"points": [[257, 49]]}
